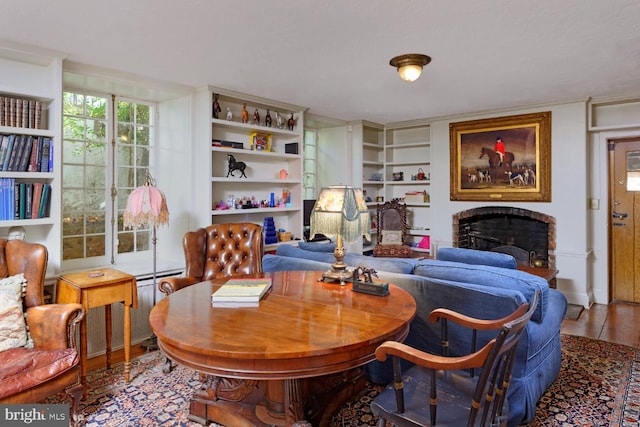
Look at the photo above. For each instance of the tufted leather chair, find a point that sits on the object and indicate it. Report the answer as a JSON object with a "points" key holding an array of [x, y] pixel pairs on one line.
{"points": [[220, 250], [29, 375]]}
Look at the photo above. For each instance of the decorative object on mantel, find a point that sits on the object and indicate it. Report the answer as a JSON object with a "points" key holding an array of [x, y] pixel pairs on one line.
{"points": [[236, 166], [279, 120], [147, 207], [410, 65], [342, 212], [256, 117], [229, 114]]}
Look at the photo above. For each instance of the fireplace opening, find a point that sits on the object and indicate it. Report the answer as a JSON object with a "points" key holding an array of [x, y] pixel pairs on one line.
{"points": [[527, 235]]}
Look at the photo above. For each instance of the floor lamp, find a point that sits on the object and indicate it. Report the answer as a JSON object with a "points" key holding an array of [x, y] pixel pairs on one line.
{"points": [[147, 207]]}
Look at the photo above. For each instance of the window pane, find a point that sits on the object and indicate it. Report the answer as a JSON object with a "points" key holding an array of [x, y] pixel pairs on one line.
{"points": [[73, 248], [126, 133], [96, 154], [96, 130], [96, 222], [143, 114], [72, 223], [142, 135], [125, 111], [73, 178], [125, 242], [95, 245], [96, 106], [126, 180], [73, 104], [96, 177], [125, 155]]}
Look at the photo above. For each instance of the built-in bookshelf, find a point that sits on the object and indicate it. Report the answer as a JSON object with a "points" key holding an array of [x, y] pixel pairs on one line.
{"points": [[30, 132], [408, 174], [253, 161]]}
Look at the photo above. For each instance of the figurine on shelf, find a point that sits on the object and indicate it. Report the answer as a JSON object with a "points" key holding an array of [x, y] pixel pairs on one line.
{"points": [[291, 122], [229, 114], [279, 121], [245, 114], [256, 117], [216, 106], [236, 166], [267, 119]]}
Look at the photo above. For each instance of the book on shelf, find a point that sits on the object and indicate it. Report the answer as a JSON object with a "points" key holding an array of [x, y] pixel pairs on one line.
{"points": [[241, 292]]}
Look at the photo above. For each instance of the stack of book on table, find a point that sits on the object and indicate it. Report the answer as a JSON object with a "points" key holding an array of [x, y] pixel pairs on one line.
{"points": [[246, 292]]}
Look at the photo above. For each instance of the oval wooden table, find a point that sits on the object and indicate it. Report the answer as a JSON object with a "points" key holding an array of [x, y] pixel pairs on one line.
{"points": [[302, 332]]}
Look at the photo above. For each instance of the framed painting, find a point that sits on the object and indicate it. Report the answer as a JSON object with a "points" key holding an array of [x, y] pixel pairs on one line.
{"points": [[501, 159]]}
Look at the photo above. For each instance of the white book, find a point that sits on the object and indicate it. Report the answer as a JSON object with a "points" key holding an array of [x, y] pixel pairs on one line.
{"points": [[244, 290]]}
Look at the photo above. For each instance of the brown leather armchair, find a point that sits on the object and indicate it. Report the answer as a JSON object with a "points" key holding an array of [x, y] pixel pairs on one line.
{"points": [[220, 250], [28, 375]]}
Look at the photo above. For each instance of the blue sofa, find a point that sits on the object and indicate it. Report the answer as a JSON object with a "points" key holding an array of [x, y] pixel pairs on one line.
{"points": [[477, 283]]}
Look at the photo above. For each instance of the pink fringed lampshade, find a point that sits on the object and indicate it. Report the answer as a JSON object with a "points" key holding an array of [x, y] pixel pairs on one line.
{"points": [[146, 206]]}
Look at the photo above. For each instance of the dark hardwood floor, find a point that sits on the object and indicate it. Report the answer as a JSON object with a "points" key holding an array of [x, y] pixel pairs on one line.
{"points": [[617, 322]]}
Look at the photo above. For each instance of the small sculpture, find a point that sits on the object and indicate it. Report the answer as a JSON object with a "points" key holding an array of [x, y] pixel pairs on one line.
{"points": [[216, 106], [256, 117], [229, 114], [244, 114], [267, 119], [291, 122], [235, 165], [364, 274], [279, 121]]}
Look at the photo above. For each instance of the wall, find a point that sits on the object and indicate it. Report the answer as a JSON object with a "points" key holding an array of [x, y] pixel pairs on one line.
{"points": [[569, 195]]}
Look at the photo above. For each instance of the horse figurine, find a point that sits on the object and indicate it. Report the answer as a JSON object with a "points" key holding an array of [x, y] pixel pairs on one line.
{"points": [[279, 121], [235, 165], [494, 161], [364, 273]]}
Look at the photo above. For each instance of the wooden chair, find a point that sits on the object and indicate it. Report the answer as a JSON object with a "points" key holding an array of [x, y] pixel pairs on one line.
{"points": [[445, 388], [391, 227], [29, 375]]}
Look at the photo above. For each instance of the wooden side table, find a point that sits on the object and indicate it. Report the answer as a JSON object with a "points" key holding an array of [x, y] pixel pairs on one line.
{"points": [[97, 288]]}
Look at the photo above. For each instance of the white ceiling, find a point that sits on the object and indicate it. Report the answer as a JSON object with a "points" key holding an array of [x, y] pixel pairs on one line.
{"points": [[332, 55]]}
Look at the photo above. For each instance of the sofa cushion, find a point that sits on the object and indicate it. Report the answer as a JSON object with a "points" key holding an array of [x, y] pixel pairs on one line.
{"points": [[23, 368], [392, 265], [472, 256], [494, 277], [317, 246], [271, 263], [13, 329]]}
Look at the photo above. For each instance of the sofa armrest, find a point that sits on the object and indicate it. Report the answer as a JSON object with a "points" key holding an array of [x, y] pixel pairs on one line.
{"points": [[169, 285], [53, 326]]}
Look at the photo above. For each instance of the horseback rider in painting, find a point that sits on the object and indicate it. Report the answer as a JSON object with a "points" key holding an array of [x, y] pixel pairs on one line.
{"points": [[499, 148]]}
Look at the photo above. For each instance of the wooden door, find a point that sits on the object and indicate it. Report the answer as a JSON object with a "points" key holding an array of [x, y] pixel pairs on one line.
{"points": [[624, 220]]}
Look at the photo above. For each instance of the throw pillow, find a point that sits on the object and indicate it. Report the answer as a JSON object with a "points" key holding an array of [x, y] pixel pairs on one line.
{"points": [[13, 329]]}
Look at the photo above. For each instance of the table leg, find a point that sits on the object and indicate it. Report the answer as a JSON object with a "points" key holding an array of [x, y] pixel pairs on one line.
{"points": [[83, 355], [293, 402], [107, 327], [127, 341]]}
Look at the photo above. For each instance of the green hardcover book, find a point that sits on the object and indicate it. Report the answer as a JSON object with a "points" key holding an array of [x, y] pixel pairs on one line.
{"points": [[44, 201]]}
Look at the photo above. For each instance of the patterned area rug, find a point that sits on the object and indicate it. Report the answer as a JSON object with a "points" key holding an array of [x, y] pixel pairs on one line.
{"points": [[598, 385]]}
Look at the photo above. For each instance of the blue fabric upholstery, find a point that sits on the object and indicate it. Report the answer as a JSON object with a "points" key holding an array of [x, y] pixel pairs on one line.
{"points": [[493, 277], [472, 256], [392, 265], [317, 246], [481, 291]]}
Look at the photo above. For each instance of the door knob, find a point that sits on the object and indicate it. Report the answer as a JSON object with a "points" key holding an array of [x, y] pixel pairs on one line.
{"points": [[618, 215]]}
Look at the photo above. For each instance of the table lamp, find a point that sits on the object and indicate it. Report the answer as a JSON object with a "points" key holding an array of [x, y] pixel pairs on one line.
{"points": [[342, 212], [147, 206]]}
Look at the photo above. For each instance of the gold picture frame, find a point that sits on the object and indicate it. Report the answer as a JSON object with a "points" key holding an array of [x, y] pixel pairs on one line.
{"points": [[524, 174]]}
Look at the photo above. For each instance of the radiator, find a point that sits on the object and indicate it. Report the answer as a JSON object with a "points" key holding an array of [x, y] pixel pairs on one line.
{"points": [[140, 329]]}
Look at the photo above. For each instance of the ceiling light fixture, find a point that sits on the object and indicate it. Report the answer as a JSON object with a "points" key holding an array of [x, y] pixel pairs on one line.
{"points": [[410, 65]]}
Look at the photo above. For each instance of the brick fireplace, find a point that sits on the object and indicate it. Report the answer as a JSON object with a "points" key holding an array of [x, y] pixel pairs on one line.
{"points": [[527, 235]]}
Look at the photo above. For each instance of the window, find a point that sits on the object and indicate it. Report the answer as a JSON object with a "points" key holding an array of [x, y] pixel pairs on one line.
{"points": [[99, 171], [309, 165]]}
